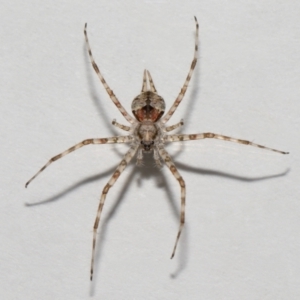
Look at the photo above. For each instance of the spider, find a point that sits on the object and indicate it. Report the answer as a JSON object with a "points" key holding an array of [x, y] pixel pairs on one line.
{"points": [[148, 133]]}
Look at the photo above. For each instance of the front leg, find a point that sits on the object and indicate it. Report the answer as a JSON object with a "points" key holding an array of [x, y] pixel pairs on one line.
{"points": [[121, 126]]}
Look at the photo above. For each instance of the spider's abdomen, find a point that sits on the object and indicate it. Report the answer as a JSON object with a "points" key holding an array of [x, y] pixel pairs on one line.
{"points": [[148, 106]]}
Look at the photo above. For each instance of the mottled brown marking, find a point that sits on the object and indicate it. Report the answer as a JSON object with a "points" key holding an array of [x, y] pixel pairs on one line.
{"points": [[209, 135], [192, 136], [123, 163], [181, 182], [182, 219], [116, 174], [244, 142], [103, 141], [173, 169], [194, 64], [95, 67], [56, 157], [86, 142], [106, 189]]}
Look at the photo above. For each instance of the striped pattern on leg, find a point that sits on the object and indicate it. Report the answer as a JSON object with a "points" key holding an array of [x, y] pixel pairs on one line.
{"points": [[209, 135], [107, 88], [121, 126], [111, 140], [127, 158], [170, 164], [186, 83], [175, 126]]}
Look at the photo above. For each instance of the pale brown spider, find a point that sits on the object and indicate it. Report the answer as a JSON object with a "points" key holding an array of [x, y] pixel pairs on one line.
{"points": [[147, 133]]}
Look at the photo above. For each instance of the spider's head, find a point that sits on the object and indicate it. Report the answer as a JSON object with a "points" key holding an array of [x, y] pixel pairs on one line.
{"points": [[147, 146]]}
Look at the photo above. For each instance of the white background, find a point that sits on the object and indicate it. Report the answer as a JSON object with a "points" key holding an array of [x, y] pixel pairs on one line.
{"points": [[241, 239]]}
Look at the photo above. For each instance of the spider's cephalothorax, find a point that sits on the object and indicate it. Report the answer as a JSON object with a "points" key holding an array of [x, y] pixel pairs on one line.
{"points": [[147, 107], [146, 133]]}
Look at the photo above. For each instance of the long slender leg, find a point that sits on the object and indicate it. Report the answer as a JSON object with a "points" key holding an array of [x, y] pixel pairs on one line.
{"points": [[121, 126], [209, 135], [157, 158], [166, 157], [171, 128], [152, 86], [111, 140], [185, 86], [127, 158], [139, 158], [108, 90]]}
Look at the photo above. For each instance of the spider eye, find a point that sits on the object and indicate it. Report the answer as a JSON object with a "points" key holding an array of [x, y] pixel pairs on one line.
{"points": [[147, 145]]}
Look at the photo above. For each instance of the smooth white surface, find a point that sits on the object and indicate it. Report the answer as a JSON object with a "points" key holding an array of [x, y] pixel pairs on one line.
{"points": [[241, 239]]}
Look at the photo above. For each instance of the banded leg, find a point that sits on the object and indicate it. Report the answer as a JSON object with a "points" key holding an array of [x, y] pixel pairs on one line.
{"points": [[186, 83], [139, 158], [111, 140], [157, 158], [107, 88], [209, 135], [121, 126], [127, 158], [166, 157], [171, 128]]}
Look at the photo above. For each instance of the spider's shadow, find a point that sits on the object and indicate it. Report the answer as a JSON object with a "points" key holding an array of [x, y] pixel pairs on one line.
{"points": [[200, 171], [173, 200], [141, 173]]}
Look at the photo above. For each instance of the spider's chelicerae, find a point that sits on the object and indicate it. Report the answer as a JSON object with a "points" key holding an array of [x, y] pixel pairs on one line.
{"points": [[147, 134]]}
